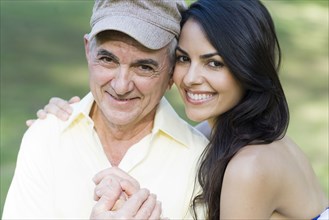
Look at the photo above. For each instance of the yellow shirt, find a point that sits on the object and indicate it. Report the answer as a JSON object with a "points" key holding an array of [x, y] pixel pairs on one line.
{"points": [[57, 161]]}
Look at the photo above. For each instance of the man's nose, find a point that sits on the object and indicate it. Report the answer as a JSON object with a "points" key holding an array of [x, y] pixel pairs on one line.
{"points": [[122, 82]]}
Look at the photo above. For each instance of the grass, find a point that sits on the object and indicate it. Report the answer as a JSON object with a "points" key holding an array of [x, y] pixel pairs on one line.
{"points": [[42, 55]]}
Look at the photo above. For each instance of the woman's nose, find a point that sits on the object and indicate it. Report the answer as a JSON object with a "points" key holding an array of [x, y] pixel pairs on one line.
{"points": [[193, 75]]}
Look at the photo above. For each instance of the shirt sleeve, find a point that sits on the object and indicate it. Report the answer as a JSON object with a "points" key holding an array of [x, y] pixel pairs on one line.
{"points": [[30, 195]]}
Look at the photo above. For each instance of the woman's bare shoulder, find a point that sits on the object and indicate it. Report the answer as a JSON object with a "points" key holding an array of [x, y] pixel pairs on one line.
{"points": [[262, 161], [252, 181]]}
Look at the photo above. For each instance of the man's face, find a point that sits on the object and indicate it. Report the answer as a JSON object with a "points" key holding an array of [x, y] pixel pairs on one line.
{"points": [[127, 80]]}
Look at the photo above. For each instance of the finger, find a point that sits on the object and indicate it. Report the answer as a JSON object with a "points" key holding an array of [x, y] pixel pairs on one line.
{"points": [[120, 202], [156, 214], [74, 99], [30, 122], [59, 107], [102, 175], [134, 203], [128, 187], [58, 112], [112, 182], [106, 201], [108, 184], [60, 104], [118, 172], [41, 114], [145, 211]]}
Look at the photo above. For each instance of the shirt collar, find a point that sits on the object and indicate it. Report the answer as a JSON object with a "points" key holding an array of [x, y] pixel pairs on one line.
{"points": [[81, 110], [166, 119]]}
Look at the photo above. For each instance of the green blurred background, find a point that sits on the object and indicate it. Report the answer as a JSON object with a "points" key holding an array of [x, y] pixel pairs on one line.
{"points": [[42, 55]]}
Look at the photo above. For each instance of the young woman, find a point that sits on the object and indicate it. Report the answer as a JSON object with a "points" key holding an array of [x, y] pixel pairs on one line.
{"points": [[227, 73], [228, 59]]}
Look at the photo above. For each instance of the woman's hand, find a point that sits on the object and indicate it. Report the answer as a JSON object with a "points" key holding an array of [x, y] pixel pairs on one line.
{"points": [[59, 107]]}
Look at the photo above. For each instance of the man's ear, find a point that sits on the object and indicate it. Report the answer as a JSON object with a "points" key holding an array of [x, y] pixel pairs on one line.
{"points": [[171, 82], [87, 47]]}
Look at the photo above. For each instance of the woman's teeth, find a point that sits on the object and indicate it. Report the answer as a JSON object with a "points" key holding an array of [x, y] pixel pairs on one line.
{"points": [[198, 97]]}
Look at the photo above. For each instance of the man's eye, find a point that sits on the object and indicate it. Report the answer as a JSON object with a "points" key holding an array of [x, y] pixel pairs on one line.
{"points": [[146, 68], [106, 59], [182, 59]]}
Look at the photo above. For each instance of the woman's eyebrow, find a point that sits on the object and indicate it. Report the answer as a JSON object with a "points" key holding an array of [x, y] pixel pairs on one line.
{"points": [[181, 50], [204, 56], [208, 55]]}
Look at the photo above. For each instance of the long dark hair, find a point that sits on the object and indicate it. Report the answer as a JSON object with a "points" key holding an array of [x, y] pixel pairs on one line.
{"points": [[243, 34]]}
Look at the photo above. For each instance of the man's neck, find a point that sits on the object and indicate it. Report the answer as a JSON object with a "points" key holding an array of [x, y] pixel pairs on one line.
{"points": [[117, 139]]}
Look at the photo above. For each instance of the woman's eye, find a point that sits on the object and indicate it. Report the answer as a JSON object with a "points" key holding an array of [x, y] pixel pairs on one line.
{"points": [[182, 59], [215, 64]]}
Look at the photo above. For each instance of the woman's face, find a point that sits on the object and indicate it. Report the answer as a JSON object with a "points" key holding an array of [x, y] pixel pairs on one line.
{"points": [[204, 81]]}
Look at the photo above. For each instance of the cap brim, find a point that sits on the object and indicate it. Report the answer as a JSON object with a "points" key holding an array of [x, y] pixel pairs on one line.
{"points": [[145, 33]]}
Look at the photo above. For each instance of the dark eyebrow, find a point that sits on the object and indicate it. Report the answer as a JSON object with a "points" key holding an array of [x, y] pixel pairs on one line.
{"points": [[107, 53], [181, 50], [147, 62], [138, 62], [205, 56]]}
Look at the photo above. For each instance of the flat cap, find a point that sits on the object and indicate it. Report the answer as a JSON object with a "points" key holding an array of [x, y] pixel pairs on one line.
{"points": [[153, 23]]}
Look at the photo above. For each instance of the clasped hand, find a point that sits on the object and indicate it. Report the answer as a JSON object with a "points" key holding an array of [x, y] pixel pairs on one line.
{"points": [[119, 196]]}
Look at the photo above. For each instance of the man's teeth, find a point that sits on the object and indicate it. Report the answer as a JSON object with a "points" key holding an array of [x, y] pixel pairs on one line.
{"points": [[119, 99], [198, 97]]}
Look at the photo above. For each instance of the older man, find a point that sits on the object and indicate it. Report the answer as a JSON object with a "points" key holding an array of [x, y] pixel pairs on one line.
{"points": [[123, 122]]}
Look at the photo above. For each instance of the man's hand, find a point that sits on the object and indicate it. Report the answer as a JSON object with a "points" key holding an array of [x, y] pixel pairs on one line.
{"points": [[115, 179], [119, 197], [141, 205], [59, 107]]}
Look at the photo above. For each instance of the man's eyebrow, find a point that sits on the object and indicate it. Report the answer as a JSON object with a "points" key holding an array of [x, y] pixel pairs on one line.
{"points": [[138, 62], [147, 62], [107, 53]]}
